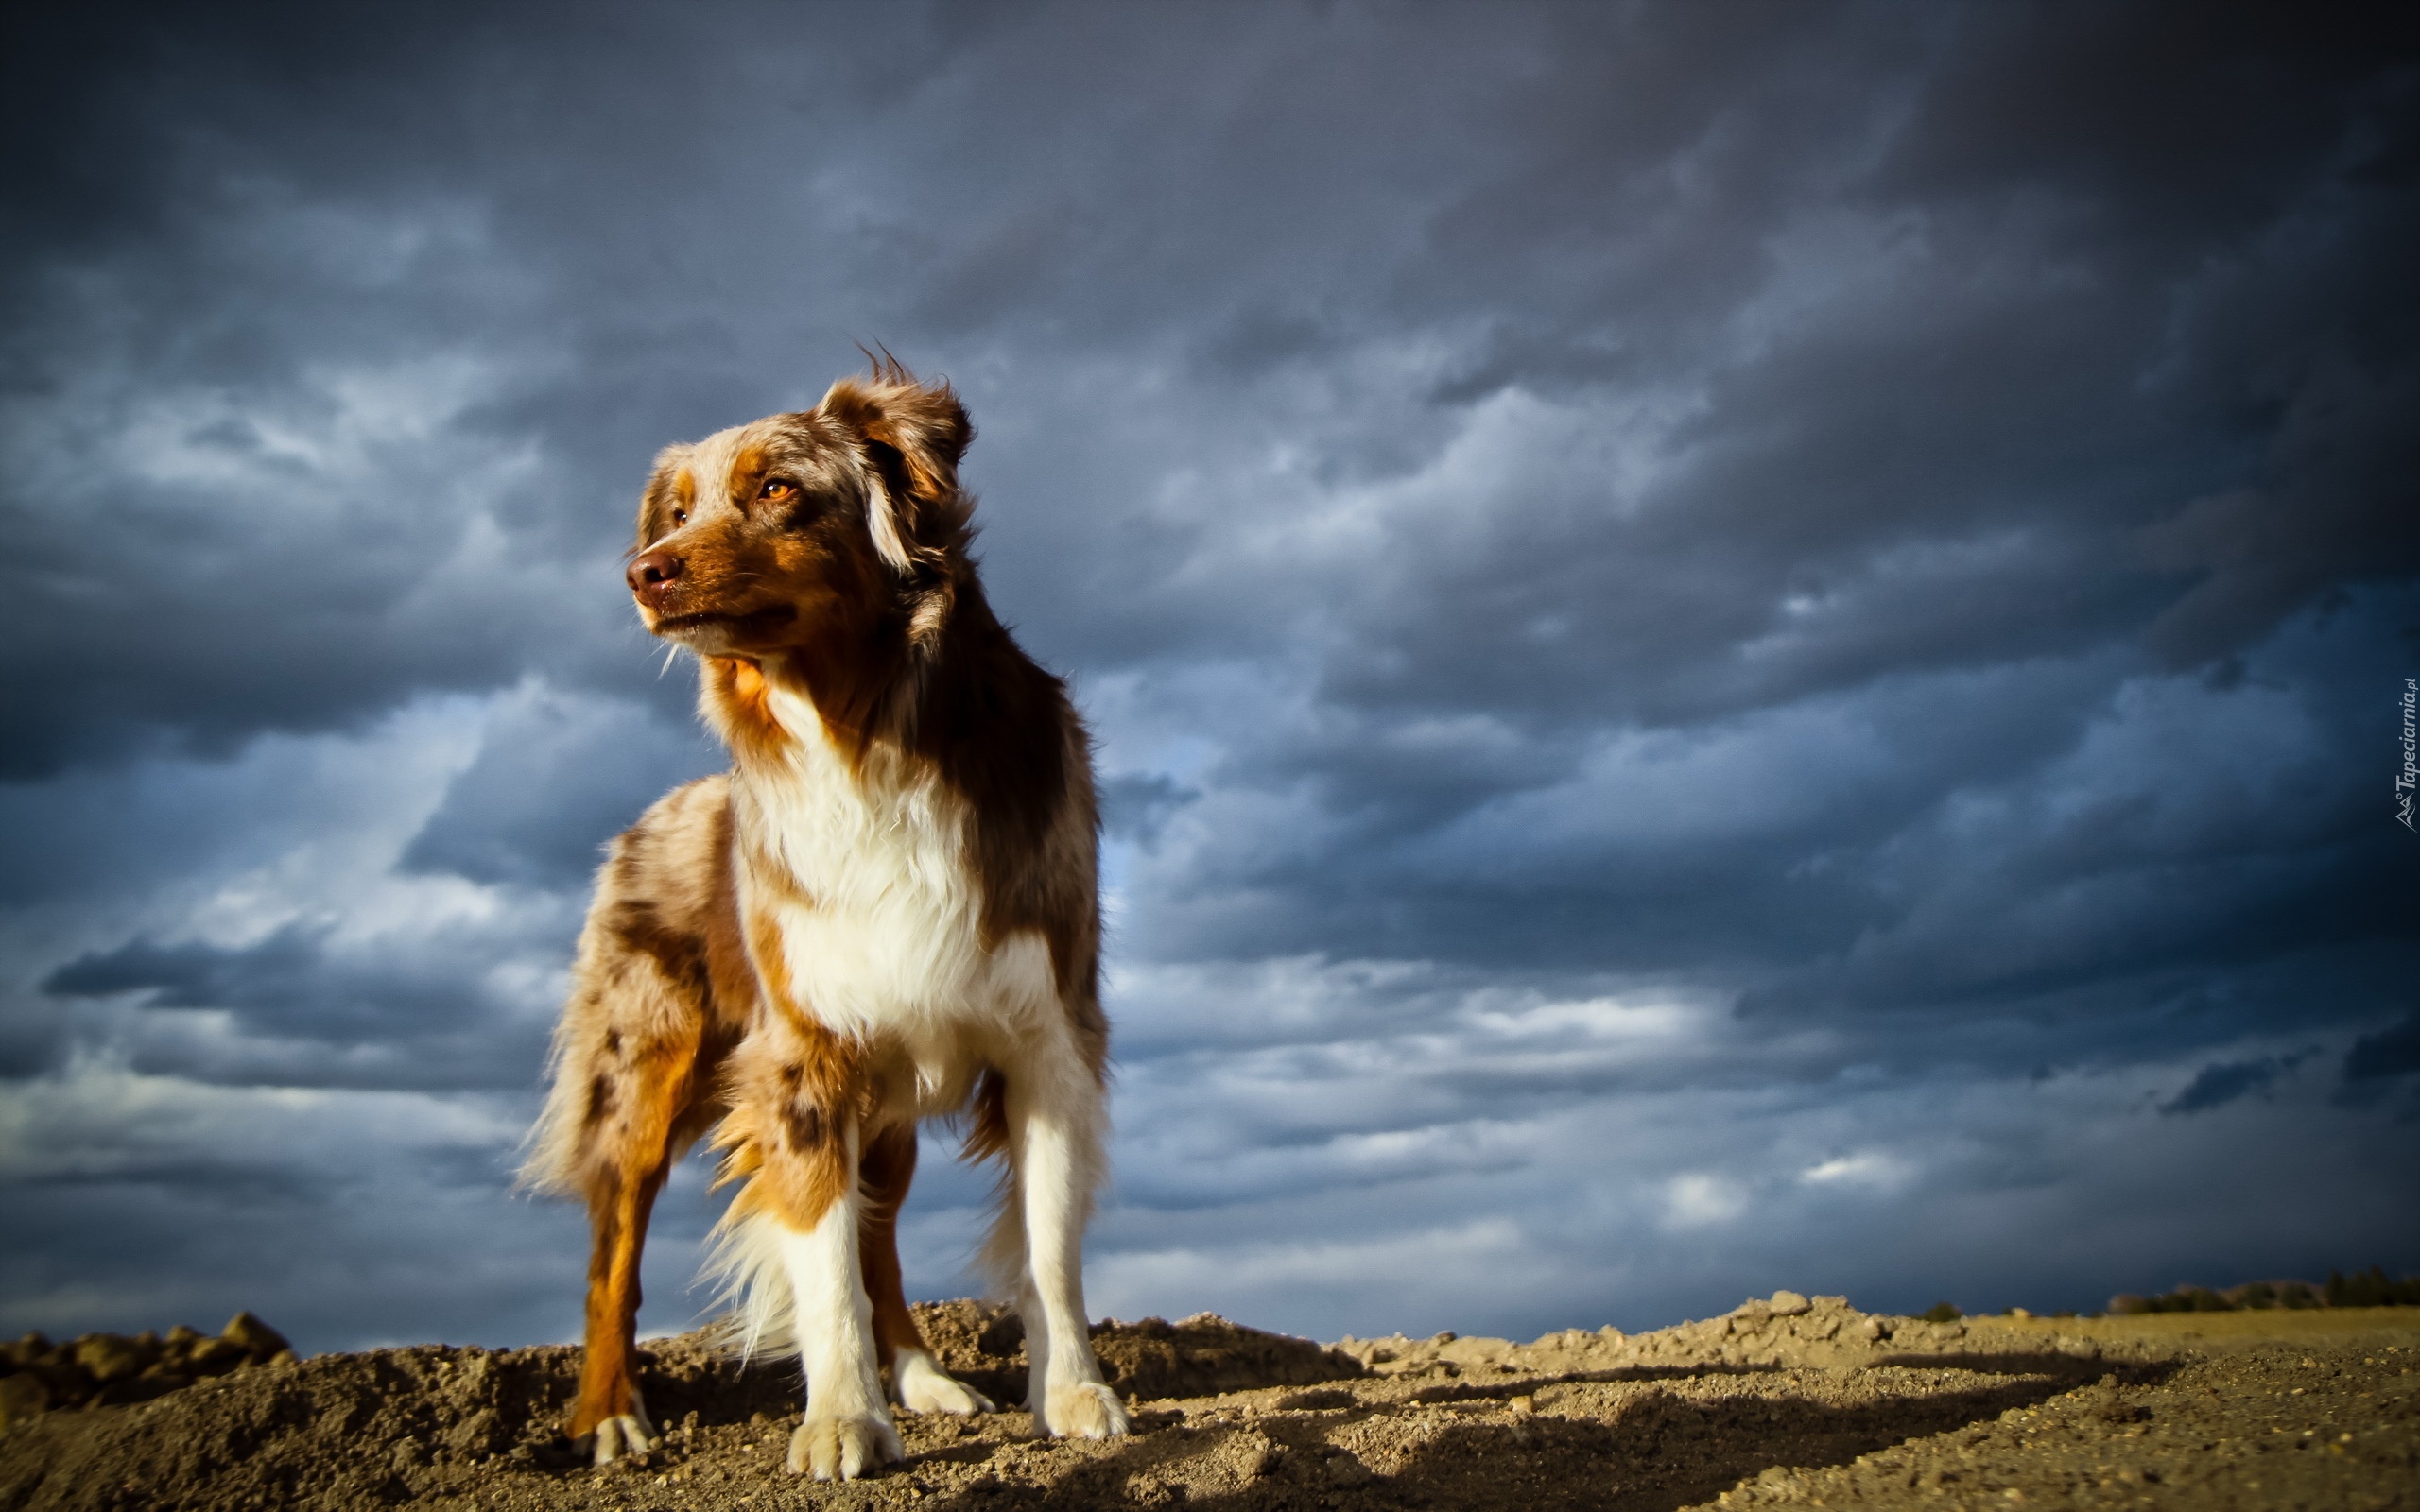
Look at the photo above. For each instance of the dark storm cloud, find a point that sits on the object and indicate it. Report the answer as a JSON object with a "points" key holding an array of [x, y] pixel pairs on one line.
{"points": [[553, 778], [2390, 1052], [272, 979], [2222, 1083], [1136, 806], [2383, 1070], [305, 1010], [1800, 592], [1646, 197]]}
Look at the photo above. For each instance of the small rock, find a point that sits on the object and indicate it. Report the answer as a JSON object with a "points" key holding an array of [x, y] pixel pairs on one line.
{"points": [[1787, 1304], [1345, 1468], [108, 1357], [1876, 1328], [479, 1433], [254, 1336], [215, 1357], [21, 1396]]}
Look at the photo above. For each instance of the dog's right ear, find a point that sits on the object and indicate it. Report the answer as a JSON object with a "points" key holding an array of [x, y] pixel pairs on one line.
{"points": [[913, 434]]}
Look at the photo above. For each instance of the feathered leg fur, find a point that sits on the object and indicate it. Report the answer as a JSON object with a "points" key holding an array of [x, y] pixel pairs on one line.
{"points": [[635, 1067], [642, 1104]]}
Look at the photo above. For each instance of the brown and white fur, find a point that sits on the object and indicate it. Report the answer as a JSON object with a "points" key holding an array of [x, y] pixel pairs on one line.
{"points": [[886, 911]]}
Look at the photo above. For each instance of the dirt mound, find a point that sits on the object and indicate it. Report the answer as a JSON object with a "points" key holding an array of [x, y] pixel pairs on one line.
{"points": [[1782, 1331], [399, 1425], [1784, 1399], [1199, 1356], [107, 1369]]}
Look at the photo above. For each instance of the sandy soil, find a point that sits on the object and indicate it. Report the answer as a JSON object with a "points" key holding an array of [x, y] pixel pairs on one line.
{"points": [[1787, 1401]]}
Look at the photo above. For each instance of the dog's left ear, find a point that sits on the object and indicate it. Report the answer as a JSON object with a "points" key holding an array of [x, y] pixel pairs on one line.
{"points": [[914, 434]]}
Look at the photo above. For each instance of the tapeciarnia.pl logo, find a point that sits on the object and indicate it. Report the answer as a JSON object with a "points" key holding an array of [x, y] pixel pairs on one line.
{"points": [[2410, 777]]}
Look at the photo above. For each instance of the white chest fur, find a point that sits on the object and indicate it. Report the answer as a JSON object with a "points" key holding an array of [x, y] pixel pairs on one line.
{"points": [[878, 919]]}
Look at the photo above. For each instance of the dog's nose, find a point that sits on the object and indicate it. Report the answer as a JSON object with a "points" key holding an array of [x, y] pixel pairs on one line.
{"points": [[652, 574]]}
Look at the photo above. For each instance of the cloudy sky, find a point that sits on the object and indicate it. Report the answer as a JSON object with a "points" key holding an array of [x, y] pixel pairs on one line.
{"points": [[1734, 645]]}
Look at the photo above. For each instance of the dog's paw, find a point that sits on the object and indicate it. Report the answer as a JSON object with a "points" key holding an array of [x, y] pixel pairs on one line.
{"points": [[628, 1433], [842, 1448], [924, 1387], [1085, 1410]]}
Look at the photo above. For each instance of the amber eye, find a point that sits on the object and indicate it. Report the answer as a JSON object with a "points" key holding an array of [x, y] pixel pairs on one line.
{"points": [[680, 517], [777, 489]]}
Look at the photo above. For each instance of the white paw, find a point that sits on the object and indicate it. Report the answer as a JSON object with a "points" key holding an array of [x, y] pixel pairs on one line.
{"points": [[924, 1387], [626, 1435], [1085, 1410], [842, 1448]]}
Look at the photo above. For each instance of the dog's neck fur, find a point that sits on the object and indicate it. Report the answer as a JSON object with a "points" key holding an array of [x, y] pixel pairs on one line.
{"points": [[930, 707], [866, 680]]}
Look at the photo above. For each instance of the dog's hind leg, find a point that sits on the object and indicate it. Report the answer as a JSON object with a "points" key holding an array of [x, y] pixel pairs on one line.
{"points": [[644, 1108], [621, 1201], [622, 1110], [1054, 1127], [635, 1079], [917, 1381]]}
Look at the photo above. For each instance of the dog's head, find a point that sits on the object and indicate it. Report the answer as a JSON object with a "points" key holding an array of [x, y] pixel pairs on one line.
{"points": [[780, 534]]}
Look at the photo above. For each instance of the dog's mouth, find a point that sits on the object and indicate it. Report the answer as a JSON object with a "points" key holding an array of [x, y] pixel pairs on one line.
{"points": [[735, 624]]}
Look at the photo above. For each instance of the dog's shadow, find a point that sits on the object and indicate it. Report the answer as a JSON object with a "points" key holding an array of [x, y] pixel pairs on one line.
{"points": [[1663, 1450]]}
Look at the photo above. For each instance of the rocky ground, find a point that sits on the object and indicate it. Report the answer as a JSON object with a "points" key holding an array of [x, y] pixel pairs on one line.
{"points": [[111, 1369], [1783, 1401]]}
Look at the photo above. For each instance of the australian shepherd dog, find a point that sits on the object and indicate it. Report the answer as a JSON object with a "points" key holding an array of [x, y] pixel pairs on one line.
{"points": [[886, 911]]}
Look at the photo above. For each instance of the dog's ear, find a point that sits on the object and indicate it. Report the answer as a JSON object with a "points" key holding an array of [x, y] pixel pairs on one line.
{"points": [[913, 434]]}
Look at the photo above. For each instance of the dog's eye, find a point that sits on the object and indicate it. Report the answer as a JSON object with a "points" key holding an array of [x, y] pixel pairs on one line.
{"points": [[778, 490], [680, 517]]}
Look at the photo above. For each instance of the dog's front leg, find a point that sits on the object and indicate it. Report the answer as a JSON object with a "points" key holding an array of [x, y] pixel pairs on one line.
{"points": [[1054, 1131], [799, 1096], [848, 1429]]}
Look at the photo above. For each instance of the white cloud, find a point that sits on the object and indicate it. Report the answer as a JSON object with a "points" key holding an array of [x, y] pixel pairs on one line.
{"points": [[1867, 1168], [1700, 1199]]}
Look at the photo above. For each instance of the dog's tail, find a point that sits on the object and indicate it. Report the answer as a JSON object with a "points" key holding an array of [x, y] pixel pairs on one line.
{"points": [[555, 1158], [1000, 1261], [744, 1261]]}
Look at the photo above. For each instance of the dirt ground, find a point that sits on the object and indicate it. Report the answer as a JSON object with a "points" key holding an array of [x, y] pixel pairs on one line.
{"points": [[1784, 1401]]}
